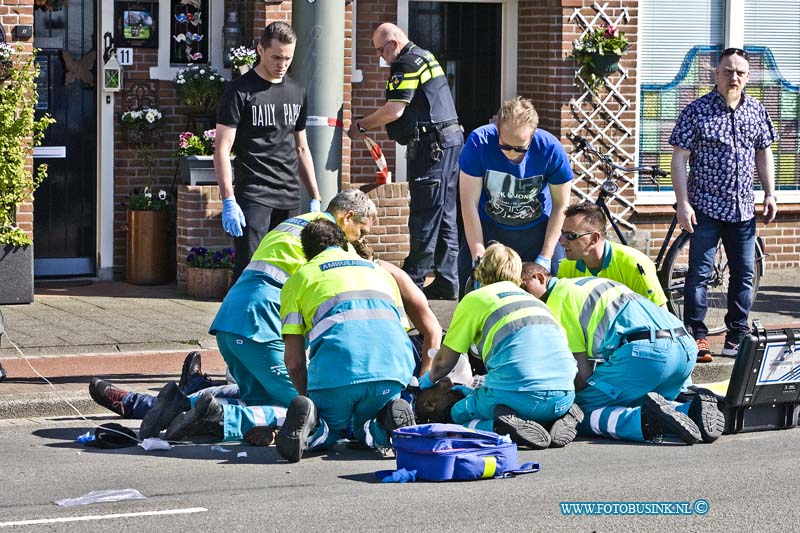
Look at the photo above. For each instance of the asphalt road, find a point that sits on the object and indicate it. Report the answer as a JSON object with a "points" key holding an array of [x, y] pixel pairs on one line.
{"points": [[751, 482]]}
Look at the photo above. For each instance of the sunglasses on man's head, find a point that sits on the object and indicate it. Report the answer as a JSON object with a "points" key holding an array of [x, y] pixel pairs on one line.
{"points": [[736, 51], [572, 235]]}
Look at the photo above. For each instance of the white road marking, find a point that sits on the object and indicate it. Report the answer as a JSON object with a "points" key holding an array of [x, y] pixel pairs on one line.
{"points": [[102, 517]]}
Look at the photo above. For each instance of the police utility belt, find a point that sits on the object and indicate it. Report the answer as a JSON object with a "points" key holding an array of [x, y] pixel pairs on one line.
{"points": [[432, 134]]}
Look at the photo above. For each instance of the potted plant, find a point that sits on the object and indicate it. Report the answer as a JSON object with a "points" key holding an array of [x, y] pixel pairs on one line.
{"points": [[243, 58], [597, 54], [19, 133], [208, 273], [199, 87], [147, 262], [144, 126], [196, 166], [197, 152]]}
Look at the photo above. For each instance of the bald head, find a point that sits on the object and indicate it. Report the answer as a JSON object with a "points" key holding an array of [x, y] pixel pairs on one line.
{"points": [[390, 32]]}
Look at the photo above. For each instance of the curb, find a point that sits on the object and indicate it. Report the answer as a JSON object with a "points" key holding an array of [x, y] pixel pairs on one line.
{"points": [[38, 405]]}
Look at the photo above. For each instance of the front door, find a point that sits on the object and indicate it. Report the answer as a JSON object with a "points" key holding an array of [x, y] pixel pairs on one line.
{"points": [[466, 38], [64, 212]]}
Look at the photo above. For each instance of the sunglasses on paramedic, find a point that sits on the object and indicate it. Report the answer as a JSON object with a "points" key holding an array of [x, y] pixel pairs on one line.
{"points": [[571, 235]]}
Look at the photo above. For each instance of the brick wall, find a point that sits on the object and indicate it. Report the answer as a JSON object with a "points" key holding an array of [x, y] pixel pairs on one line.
{"points": [[390, 238], [13, 12], [198, 223], [781, 239]]}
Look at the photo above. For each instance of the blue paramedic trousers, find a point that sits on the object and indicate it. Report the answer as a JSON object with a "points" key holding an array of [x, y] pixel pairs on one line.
{"points": [[476, 411], [350, 411], [614, 393]]}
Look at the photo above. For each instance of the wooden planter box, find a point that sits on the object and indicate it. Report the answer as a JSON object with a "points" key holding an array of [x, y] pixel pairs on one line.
{"points": [[147, 261], [208, 282], [16, 274]]}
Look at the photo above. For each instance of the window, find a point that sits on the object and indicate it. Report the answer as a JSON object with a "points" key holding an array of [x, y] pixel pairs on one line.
{"points": [[679, 45], [772, 29], [677, 42]]}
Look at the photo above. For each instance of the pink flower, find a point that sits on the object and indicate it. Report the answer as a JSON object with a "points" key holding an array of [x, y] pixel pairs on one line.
{"points": [[210, 134], [611, 31]]}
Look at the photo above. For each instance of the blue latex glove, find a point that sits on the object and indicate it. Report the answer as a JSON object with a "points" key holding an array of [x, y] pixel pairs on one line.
{"points": [[425, 381], [232, 217], [399, 476], [543, 262], [313, 206], [463, 389]]}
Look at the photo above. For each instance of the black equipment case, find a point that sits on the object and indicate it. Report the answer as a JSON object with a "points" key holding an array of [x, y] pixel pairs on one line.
{"points": [[764, 390]]}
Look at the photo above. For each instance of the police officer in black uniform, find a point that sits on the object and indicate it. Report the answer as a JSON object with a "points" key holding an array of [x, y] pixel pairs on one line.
{"points": [[419, 113]]}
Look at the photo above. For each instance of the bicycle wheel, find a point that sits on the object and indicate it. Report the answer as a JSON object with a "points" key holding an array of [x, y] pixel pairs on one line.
{"points": [[676, 264]]}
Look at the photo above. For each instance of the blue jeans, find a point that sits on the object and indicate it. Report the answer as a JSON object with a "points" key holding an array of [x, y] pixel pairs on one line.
{"points": [[527, 243], [137, 404], [738, 238]]}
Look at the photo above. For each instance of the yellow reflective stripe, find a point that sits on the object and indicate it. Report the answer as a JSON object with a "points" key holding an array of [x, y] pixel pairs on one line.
{"points": [[489, 466], [406, 84], [430, 74]]}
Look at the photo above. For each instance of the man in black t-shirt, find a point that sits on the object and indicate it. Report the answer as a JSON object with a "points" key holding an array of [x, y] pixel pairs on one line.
{"points": [[419, 112], [262, 119]]}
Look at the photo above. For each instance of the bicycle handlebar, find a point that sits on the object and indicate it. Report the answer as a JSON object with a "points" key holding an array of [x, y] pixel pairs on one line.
{"points": [[650, 172]]}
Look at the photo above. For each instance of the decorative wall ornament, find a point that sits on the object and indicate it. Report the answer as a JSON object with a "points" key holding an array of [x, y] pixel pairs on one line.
{"points": [[189, 30], [79, 69]]}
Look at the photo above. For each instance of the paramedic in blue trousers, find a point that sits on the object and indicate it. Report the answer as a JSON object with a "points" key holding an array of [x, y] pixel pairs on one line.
{"points": [[420, 113], [349, 312], [248, 332], [644, 356], [530, 367]]}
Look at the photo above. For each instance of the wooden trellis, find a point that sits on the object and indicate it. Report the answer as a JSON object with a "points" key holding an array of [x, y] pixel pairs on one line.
{"points": [[598, 114]]}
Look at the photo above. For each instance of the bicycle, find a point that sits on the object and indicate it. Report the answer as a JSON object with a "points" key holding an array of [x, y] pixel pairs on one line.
{"points": [[672, 261]]}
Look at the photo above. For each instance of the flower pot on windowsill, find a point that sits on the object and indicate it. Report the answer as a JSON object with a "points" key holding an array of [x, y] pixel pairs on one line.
{"points": [[146, 261], [198, 170], [210, 283]]}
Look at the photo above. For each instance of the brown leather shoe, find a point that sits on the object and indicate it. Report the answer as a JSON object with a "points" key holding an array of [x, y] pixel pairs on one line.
{"points": [[703, 351]]}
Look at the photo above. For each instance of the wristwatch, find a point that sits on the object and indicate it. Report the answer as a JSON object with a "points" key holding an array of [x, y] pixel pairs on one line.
{"points": [[770, 195], [361, 129]]}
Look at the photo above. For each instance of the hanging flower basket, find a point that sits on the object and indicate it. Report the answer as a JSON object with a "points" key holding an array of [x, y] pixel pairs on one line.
{"points": [[597, 54], [605, 64], [141, 134]]}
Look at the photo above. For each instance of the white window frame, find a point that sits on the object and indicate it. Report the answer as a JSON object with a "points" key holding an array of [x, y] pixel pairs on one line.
{"points": [[164, 70], [734, 37]]}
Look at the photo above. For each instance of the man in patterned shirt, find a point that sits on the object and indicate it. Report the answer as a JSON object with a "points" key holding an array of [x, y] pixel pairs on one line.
{"points": [[723, 136]]}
